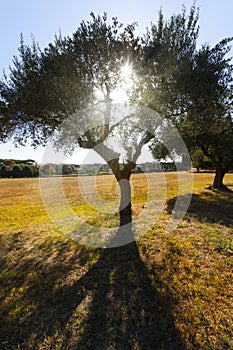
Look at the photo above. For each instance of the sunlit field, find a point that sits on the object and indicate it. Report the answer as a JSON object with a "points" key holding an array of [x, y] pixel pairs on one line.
{"points": [[170, 290]]}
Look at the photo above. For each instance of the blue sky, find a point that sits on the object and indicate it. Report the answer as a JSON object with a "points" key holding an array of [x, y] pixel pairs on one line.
{"points": [[44, 18]]}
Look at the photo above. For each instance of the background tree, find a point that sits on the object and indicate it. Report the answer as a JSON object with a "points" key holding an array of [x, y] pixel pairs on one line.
{"points": [[18, 168], [27, 171], [199, 160], [193, 88], [7, 167], [17, 171], [47, 169], [4, 172], [66, 169], [208, 123]]}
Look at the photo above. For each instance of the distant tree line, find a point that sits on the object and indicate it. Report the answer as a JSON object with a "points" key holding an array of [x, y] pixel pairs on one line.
{"points": [[58, 169], [11, 168], [14, 168]]}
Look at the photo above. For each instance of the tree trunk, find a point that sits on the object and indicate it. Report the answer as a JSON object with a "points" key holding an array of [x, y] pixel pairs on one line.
{"points": [[122, 174], [218, 179], [125, 209], [124, 234]]}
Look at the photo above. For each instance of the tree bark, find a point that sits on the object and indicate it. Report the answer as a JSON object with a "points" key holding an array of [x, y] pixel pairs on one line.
{"points": [[218, 179], [125, 209], [124, 234], [122, 174]]}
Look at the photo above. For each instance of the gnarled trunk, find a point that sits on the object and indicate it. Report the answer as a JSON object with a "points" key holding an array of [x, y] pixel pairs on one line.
{"points": [[125, 234], [122, 173], [218, 179], [125, 209]]}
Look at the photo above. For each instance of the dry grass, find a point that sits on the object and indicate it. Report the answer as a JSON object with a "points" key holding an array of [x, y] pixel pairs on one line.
{"points": [[170, 291]]}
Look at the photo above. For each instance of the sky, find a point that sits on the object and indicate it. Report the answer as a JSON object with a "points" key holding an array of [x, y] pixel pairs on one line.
{"points": [[42, 19]]}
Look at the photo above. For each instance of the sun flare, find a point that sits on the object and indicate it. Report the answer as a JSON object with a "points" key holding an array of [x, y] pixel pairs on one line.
{"points": [[119, 95], [126, 71], [124, 85]]}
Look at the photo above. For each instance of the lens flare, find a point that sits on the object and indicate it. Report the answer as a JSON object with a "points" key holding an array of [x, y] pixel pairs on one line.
{"points": [[119, 95], [126, 71]]}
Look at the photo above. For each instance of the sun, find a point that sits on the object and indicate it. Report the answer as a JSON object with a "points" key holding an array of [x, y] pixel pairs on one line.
{"points": [[126, 71], [119, 95]]}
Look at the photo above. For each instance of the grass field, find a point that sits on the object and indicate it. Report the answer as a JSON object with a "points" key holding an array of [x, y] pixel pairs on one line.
{"points": [[168, 291]]}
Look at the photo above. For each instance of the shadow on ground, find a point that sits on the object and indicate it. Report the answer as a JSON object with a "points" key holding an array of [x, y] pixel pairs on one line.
{"points": [[213, 207], [112, 306]]}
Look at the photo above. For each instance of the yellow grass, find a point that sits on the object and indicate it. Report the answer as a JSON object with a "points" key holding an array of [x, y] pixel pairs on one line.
{"points": [[173, 290]]}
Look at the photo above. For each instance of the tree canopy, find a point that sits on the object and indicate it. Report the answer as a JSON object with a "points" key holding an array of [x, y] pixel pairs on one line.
{"points": [[205, 120], [45, 87]]}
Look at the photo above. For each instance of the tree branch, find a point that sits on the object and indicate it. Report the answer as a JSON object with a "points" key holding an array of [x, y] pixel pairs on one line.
{"points": [[147, 137]]}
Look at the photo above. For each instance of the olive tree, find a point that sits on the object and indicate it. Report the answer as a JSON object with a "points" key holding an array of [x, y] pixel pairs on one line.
{"points": [[74, 74]]}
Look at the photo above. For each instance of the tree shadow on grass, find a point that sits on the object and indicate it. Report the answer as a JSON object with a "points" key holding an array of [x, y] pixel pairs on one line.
{"points": [[112, 306], [213, 207]]}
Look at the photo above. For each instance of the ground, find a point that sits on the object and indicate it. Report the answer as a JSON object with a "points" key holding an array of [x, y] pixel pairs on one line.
{"points": [[168, 291]]}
